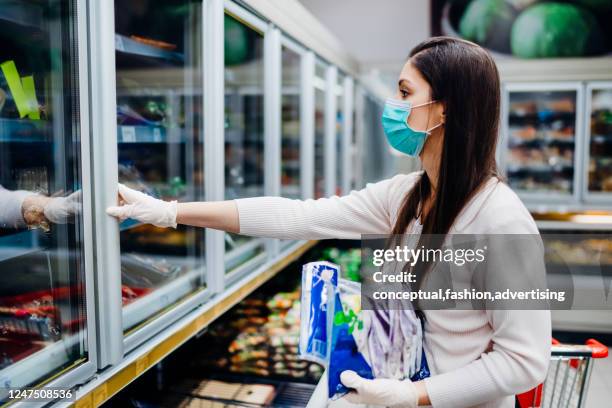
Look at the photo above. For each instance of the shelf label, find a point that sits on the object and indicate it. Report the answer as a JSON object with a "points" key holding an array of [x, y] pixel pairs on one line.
{"points": [[141, 364], [100, 395], [128, 134], [119, 43], [157, 135]]}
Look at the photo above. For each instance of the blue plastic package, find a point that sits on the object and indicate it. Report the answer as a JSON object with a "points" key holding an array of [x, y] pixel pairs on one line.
{"points": [[319, 283]]}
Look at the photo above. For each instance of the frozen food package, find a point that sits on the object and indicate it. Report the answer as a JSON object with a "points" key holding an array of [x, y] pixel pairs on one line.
{"points": [[373, 343], [347, 331], [337, 334], [319, 280]]}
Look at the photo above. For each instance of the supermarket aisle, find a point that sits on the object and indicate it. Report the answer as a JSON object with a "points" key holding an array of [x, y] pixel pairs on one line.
{"points": [[601, 382]]}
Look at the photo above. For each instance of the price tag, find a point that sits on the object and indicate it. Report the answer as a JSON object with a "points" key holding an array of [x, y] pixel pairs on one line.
{"points": [[128, 134]]}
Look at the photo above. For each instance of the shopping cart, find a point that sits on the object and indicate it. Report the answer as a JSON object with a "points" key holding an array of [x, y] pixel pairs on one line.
{"points": [[568, 376]]}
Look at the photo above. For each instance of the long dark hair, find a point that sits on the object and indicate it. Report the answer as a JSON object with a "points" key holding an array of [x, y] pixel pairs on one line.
{"points": [[464, 77]]}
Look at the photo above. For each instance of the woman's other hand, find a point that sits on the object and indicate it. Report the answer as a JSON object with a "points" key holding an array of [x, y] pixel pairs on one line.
{"points": [[61, 210], [144, 208], [381, 391]]}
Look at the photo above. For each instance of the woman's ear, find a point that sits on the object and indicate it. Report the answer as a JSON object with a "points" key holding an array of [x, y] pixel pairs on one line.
{"points": [[443, 113]]}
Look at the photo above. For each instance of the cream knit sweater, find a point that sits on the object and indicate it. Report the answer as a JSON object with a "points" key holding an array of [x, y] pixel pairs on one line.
{"points": [[477, 358]]}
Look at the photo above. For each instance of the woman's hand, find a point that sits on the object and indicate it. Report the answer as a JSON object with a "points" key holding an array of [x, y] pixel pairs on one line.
{"points": [[144, 208], [381, 391]]}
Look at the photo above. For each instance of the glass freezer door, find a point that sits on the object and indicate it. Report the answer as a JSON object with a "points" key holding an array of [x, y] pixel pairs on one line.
{"points": [[599, 128], [319, 159], [244, 130], [290, 143], [339, 134], [159, 123], [540, 131], [43, 314]]}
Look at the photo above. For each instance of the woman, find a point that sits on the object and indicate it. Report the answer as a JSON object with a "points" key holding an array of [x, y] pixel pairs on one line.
{"points": [[446, 111]]}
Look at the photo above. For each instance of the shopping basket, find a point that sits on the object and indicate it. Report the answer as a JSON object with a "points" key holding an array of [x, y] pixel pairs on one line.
{"points": [[568, 376]]}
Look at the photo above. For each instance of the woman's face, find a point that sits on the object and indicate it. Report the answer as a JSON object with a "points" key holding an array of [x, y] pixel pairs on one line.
{"points": [[414, 88]]}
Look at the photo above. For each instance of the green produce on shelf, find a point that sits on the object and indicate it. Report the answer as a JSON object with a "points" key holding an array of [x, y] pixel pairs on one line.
{"points": [[348, 259], [236, 41], [489, 23], [556, 30]]}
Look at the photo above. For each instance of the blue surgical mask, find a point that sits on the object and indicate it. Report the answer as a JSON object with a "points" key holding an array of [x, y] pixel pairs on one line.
{"points": [[399, 134]]}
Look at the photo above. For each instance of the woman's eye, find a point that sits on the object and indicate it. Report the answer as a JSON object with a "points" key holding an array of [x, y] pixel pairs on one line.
{"points": [[404, 93]]}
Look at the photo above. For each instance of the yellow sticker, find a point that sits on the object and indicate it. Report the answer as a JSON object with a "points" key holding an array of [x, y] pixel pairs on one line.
{"points": [[141, 364], [30, 93], [14, 82]]}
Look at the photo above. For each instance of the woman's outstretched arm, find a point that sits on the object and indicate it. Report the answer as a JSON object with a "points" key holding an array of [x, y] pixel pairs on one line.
{"points": [[221, 215], [367, 211]]}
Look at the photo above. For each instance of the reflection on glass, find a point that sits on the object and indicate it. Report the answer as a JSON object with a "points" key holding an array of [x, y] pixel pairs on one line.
{"points": [[541, 141], [290, 148], [159, 108], [600, 159], [244, 130], [319, 161], [42, 279], [339, 135]]}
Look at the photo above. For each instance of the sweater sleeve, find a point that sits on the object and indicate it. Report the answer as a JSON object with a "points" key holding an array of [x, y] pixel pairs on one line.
{"points": [[519, 349], [517, 362], [10, 208], [348, 217]]}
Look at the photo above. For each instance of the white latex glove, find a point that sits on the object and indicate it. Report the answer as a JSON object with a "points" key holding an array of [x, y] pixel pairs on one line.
{"points": [[380, 391], [59, 210], [144, 208]]}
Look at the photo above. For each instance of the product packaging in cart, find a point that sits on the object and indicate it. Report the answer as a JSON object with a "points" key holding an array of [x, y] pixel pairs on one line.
{"points": [[341, 336]]}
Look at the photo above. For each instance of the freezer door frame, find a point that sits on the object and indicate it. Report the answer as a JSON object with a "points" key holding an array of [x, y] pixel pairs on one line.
{"points": [[546, 200], [600, 199]]}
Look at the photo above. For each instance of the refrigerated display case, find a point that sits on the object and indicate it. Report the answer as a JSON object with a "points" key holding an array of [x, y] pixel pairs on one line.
{"points": [[319, 120], [598, 129], [244, 130], [542, 144], [290, 123], [46, 317]]}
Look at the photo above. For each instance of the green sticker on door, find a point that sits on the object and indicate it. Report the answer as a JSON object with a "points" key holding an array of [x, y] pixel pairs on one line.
{"points": [[22, 89]]}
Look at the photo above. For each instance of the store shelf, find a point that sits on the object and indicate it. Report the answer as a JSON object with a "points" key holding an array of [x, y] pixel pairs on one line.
{"points": [[24, 130], [110, 382], [242, 253], [31, 17], [147, 134], [14, 245], [129, 46], [28, 370], [145, 308]]}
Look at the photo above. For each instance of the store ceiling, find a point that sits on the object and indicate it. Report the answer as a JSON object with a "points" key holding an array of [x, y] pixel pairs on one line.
{"points": [[379, 34]]}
